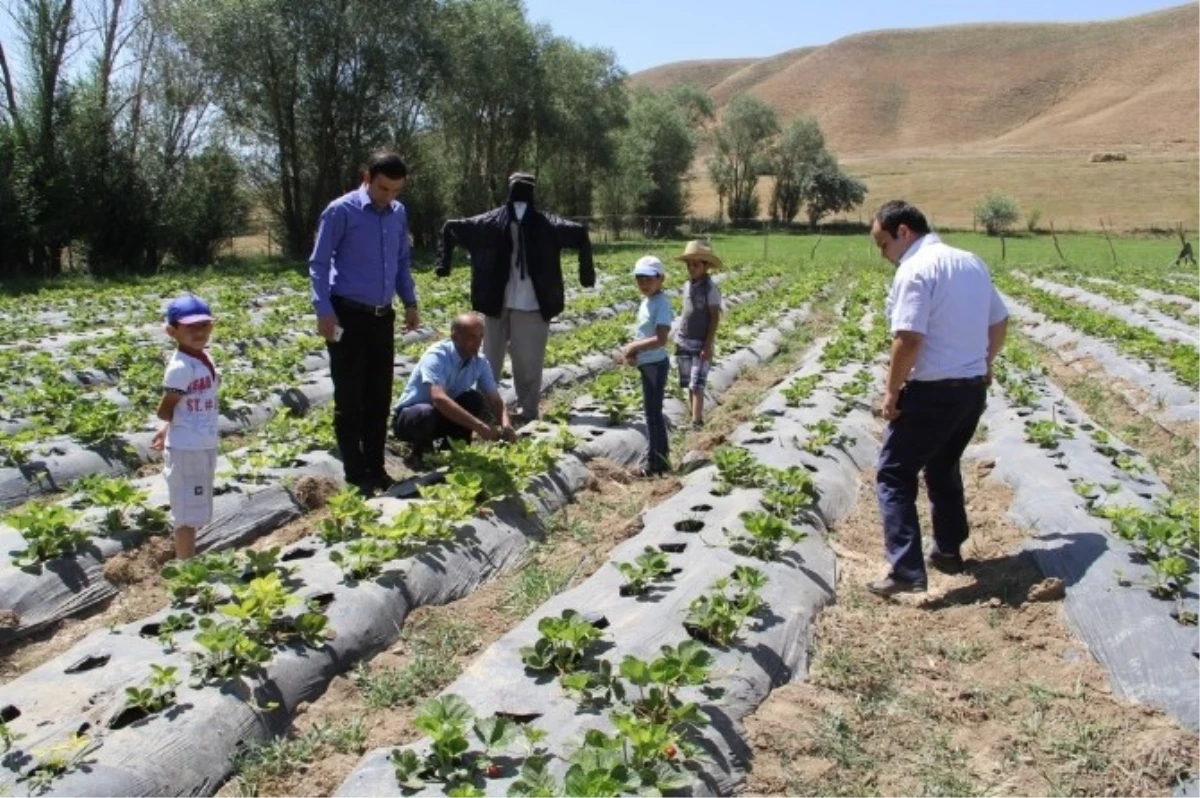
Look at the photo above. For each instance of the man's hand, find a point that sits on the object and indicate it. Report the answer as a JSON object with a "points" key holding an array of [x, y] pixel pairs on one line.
{"points": [[507, 433], [325, 325], [888, 409], [159, 441], [412, 318], [706, 354], [629, 354], [488, 432]]}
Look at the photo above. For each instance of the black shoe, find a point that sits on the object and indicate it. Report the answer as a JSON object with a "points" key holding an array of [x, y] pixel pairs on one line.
{"points": [[382, 482], [946, 563], [415, 460], [890, 586], [365, 488]]}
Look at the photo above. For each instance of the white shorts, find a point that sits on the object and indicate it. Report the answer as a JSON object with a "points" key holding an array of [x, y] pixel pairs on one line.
{"points": [[189, 474]]}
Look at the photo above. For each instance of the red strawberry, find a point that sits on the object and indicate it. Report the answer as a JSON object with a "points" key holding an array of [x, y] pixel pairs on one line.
{"points": [[493, 771], [670, 751]]}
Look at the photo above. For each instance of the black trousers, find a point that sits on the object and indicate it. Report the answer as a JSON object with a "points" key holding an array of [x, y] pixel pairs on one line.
{"points": [[422, 425], [361, 367]]}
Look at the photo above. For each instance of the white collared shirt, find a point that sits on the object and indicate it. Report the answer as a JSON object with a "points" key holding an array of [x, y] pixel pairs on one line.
{"points": [[946, 295]]}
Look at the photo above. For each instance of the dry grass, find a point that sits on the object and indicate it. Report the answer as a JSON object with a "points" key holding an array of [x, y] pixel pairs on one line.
{"points": [[943, 115], [978, 688], [1152, 188]]}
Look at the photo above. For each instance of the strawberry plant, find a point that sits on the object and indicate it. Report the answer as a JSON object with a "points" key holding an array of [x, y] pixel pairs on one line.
{"points": [[8, 737], [226, 651], [800, 389], [1171, 576], [648, 567], [116, 496], [737, 467], [761, 535], [762, 423], [349, 517], [789, 492], [564, 643], [56, 761], [446, 720], [1046, 433], [824, 434], [173, 625], [49, 531], [364, 558], [157, 694], [718, 615], [659, 680]]}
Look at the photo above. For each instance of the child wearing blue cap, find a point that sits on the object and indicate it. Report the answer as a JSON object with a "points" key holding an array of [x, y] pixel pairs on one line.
{"points": [[649, 352], [188, 410]]}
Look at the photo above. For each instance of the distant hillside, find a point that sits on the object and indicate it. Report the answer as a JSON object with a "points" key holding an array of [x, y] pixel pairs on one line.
{"points": [[1037, 88]]}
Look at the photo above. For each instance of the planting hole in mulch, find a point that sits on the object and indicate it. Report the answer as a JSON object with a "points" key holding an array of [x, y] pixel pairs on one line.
{"points": [[89, 664]]}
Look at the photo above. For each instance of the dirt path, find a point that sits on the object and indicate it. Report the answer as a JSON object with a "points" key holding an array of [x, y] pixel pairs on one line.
{"points": [[979, 687]]}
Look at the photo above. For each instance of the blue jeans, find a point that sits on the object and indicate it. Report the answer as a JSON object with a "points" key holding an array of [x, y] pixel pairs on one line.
{"points": [[935, 425], [654, 389]]}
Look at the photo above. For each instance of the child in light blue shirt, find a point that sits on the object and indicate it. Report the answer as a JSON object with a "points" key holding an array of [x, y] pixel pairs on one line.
{"points": [[649, 352]]}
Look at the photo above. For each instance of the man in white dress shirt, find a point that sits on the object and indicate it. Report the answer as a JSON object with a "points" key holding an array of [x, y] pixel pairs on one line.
{"points": [[948, 323]]}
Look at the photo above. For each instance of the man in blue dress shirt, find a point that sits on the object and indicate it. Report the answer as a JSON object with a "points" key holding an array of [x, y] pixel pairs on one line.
{"points": [[359, 263], [450, 392]]}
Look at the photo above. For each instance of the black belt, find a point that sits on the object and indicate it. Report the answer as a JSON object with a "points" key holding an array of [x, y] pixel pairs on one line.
{"points": [[374, 310], [952, 383]]}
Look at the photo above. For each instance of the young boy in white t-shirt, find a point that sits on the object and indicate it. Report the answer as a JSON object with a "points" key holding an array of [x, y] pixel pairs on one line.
{"points": [[188, 409]]}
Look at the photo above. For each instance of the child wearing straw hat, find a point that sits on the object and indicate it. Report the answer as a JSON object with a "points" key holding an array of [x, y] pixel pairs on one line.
{"points": [[696, 336]]}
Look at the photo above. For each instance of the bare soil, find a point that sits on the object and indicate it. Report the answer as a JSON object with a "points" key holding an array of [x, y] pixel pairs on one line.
{"points": [[977, 687]]}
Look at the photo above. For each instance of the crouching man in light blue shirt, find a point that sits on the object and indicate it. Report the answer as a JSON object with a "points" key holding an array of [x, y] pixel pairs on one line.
{"points": [[451, 393]]}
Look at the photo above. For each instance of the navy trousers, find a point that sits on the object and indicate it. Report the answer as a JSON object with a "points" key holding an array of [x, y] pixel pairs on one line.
{"points": [[936, 422], [423, 426], [654, 389]]}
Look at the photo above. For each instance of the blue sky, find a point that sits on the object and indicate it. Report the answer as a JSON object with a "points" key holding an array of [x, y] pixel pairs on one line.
{"points": [[646, 33]]}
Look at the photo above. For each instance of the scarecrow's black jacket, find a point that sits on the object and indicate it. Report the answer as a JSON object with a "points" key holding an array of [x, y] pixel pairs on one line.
{"points": [[489, 242]]}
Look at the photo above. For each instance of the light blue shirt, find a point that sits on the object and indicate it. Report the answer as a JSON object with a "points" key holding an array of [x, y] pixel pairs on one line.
{"points": [[361, 253], [441, 365], [654, 312], [946, 295]]}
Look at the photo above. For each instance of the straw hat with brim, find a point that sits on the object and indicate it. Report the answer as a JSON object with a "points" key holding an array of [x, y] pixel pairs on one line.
{"points": [[701, 251]]}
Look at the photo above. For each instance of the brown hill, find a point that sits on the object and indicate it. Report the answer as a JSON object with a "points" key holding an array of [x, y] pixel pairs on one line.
{"points": [[944, 115], [1132, 83]]}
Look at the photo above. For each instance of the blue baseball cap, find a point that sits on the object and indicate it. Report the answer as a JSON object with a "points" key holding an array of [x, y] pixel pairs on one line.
{"points": [[188, 309]]}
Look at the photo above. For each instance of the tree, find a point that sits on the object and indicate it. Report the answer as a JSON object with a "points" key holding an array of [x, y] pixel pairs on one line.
{"points": [[622, 190], [695, 103], [668, 142], [741, 144], [830, 190], [313, 88], [997, 213], [794, 160], [582, 100]]}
